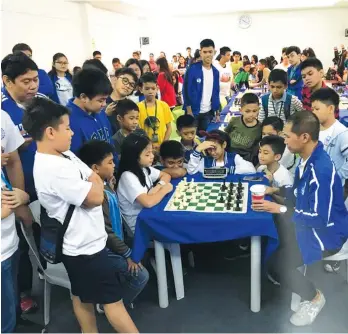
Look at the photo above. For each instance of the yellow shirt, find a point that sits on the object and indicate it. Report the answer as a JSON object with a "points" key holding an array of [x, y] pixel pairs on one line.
{"points": [[164, 116], [235, 67]]}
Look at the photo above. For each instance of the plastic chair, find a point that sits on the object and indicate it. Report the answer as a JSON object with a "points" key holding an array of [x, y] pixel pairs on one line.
{"points": [[177, 113], [342, 255], [174, 135], [55, 274], [223, 103]]}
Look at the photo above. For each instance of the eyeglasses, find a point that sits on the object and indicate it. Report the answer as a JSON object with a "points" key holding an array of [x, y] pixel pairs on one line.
{"points": [[126, 82], [62, 63]]}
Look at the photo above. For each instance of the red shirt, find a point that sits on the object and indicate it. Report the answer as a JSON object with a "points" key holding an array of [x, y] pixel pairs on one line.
{"points": [[167, 90], [306, 99]]}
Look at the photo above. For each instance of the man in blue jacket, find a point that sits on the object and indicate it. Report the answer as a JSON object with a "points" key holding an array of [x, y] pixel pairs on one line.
{"points": [[202, 88], [314, 222], [45, 83], [88, 119]]}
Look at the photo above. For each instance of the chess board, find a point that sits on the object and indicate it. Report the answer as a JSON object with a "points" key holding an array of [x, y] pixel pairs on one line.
{"points": [[206, 197]]}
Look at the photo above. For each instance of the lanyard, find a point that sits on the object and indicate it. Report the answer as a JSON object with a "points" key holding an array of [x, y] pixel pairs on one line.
{"points": [[275, 109], [4, 179], [153, 126]]}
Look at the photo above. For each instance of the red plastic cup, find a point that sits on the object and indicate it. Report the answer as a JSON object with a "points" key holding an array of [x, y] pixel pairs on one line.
{"points": [[257, 192]]}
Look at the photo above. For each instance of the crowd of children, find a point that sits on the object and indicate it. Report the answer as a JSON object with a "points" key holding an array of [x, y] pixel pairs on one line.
{"points": [[104, 146]]}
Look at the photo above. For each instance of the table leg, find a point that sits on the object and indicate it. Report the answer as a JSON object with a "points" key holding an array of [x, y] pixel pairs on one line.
{"points": [[255, 300], [161, 275], [175, 257]]}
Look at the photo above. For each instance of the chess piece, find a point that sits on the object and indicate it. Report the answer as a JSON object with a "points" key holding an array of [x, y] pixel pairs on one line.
{"points": [[239, 196], [231, 186], [228, 206], [221, 200], [224, 187]]}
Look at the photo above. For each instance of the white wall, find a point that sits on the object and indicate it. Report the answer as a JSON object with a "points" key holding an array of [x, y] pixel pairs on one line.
{"points": [[75, 29], [320, 29]]}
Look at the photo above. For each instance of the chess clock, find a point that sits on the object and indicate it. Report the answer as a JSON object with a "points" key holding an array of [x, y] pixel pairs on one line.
{"points": [[244, 21]]}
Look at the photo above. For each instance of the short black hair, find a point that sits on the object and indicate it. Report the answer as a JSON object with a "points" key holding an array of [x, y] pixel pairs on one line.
{"points": [[276, 122], [14, 65], [263, 62], [249, 98], [116, 60], [147, 78], [91, 82], [311, 62], [185, 121], [284, 50], [278, 75], [206, 43], [327, 96], [94, 152], [126, 70], [246, 63], [236, 53], [309, 52], [21, 47], [305, 122], [132, 61], [277, 143], [293, 48], [188, 48], [224, 50], [95, 63], [96, 53], [123, 107], [171, 149], [40, 114]]}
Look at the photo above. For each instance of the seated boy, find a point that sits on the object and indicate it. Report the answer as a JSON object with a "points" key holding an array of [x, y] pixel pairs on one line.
{"points": [[186, 129], [312, 74], [98, 155], [245, 131], [274, 126], [271, 150], [295, 82], [61, 180], [242, 77], [278, 102], [127, 115], [172, 158], [215, 151], [155, 117]]}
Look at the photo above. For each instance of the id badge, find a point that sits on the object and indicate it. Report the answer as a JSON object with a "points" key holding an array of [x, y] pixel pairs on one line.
{"points": [[155, 138]]}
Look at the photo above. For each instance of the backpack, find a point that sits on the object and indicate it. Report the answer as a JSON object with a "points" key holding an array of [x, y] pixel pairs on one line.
{"points": [[52, 235], [287, 104]]}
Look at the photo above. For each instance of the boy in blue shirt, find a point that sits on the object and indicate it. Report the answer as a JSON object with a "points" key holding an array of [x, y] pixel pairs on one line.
{"points": [[295, 82], [98, 155], [314, 222], [172, 159], [88, 120]]}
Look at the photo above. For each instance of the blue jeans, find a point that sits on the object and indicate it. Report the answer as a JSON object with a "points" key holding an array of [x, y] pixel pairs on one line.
{"points": [[132, 285], [9, 293]]}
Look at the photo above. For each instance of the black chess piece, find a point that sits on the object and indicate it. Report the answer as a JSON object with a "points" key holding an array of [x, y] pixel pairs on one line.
{"points": [[240, 185], [228, 206], [224, 187], [231, 186], [238, 208], [229, 198], [221, 200], [239, 196]]}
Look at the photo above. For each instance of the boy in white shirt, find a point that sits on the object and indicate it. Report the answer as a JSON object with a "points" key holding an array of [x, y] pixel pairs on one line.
{"points": [[225, 71], [61, 180], [271, 150]]}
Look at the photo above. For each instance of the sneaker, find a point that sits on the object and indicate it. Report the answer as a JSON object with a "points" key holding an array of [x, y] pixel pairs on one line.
{"points": [[272, 279], [308, 311], [100, 308], [28, 305], [332, 266]]}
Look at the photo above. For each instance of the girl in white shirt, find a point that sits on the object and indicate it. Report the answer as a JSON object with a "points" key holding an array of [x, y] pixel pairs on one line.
{"points": [[215, 152], [136, 178]]}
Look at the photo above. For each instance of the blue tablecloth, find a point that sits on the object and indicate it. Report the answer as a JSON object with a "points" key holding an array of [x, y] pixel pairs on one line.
{"points": [[195, 227]]}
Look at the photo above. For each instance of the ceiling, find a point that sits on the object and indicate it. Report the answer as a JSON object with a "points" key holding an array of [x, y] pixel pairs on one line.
{"points": [[145, 8]]}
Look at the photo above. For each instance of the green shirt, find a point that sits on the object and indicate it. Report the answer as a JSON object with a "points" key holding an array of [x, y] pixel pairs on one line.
{"points": [[241, 77], [243, 138]]}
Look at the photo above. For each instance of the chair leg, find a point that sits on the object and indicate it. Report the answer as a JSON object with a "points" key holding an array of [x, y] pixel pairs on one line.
{"points": [[47, 302], [175, 257], [153, 264], [191, 259]]}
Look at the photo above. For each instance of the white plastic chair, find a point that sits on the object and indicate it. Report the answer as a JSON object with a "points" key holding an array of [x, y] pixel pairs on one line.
{"points": [[55, 274], [342, 255]]}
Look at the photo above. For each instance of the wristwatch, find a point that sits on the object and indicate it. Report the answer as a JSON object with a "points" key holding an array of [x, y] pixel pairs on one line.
{"points": [[283, 209], [161, 182]]}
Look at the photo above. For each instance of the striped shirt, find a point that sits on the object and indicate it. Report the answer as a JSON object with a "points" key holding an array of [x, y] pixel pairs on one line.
{"points": [[276, 107]]}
